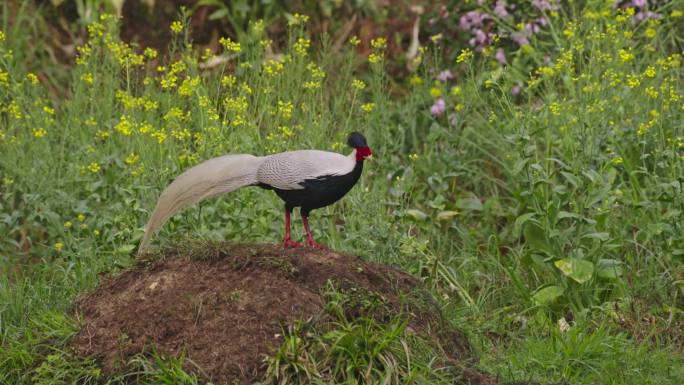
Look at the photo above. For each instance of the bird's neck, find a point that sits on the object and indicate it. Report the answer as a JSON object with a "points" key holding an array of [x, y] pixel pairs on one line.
{"points": [[354, 155]]}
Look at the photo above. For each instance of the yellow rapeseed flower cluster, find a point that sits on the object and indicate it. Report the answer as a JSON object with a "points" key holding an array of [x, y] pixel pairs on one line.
{"points": [[189, 86], [94, 167], [465, 55], [301, 46], [32, 78], [285, 109], [38, 132], [176, 27], [379, 44], [368, 107], [297, 20], [230, 45]]}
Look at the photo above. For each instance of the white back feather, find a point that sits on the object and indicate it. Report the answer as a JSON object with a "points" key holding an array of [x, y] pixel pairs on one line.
{"points": [[287, 170]]}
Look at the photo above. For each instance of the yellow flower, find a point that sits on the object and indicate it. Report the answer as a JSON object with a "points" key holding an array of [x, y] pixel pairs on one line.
{"points": [[230, 45], [633, 81], [650, 33], [39, 132], [455, 91], [32, 78], [188, 86], [358, 84], [675, 14], [176, 27], [415, 80], [124, 127], [58, 246], [88, 78], [2, 36], [465, 54], [150, 53], [49, 110], [81, 217], [301, 46], [368, 107], [650, 71], [354, 41], [380, 43], [413, 157], [309, 85], [68, 224], [555, 108], [297, 19], [228, 80], [132, 159], [435, 92], [94, 167], [625, 56], [285, 109], [375, 57]]}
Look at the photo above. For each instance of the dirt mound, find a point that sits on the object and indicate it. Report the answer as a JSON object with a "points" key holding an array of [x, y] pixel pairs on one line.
{"points": [[225, 306]]}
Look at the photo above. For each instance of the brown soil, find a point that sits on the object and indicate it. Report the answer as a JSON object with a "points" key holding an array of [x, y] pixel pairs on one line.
{"points": [[225, 305]]}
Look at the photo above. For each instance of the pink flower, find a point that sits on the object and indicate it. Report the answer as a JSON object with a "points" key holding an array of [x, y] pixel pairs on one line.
{"points": [[500, 9], [444, 76], [438, 108], [500, 56]]}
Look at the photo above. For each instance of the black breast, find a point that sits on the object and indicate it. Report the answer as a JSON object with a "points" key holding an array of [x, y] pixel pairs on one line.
{"points": [[319, 192]]}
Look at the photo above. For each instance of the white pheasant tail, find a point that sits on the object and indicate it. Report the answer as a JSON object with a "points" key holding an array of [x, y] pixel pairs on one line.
{"points": [[215, 176], [284, 171]]}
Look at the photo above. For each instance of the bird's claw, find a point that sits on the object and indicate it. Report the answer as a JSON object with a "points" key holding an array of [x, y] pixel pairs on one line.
{"points": [[290, 244], [314, 245]]}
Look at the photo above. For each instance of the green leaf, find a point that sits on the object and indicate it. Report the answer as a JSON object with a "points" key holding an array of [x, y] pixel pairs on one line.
{"points": [[547, 295], [536, 238], [218, 14], [520, 221], [609, 268], [574, 180], [416, 214], [125, 249], [471, 203], [579, 270], [446, 215]]}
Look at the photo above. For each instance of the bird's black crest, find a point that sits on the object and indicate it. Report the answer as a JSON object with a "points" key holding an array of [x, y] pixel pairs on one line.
{"points": [[356, 140]]}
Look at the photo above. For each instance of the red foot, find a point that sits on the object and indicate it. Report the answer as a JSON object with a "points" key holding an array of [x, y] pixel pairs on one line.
{"points": [[290, 244], [314, 245]]}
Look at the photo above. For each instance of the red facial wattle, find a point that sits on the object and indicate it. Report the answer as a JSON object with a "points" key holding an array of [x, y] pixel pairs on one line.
{"points": [[363, 153]]}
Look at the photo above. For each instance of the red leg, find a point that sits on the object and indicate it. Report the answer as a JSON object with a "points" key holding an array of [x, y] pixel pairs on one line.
{"points": [[288, 242], [309, 239]]}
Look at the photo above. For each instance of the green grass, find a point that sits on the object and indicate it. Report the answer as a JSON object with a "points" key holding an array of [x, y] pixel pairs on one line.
{"points": [[514, 209]]}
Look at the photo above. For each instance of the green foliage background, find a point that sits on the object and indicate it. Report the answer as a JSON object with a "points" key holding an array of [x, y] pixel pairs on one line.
{"points": [[548, 223]]}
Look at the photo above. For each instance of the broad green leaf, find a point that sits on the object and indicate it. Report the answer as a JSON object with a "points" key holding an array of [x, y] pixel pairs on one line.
{"points": [[609, 268], [416, 214], [535, 237], [547, 295], [520, 221], [600, 236], [471, 203], [574, 180], [446, 215], [125, 249], [579, 270]]}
